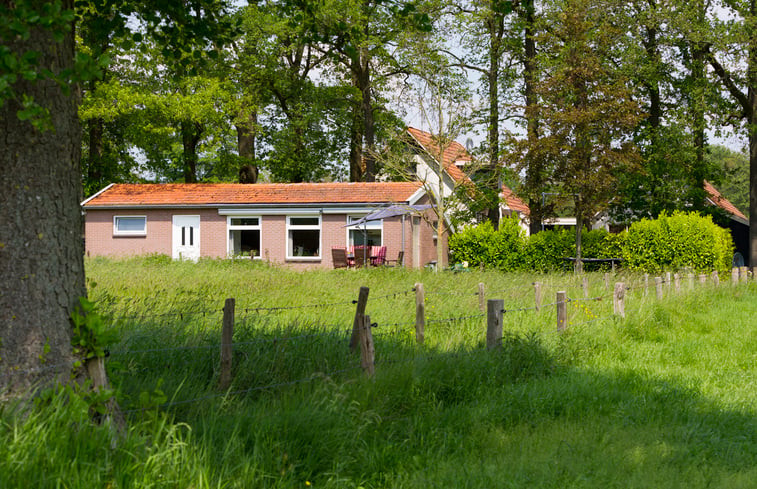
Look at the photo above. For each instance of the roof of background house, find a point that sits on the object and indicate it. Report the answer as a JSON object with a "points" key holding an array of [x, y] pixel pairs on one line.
{"points": [[452, 153], [261, 193], [720, 201], [513, 202]]}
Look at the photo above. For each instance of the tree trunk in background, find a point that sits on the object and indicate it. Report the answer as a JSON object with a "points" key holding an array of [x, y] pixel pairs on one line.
{"points": [[248, 170], [191, 133], [699, 124], [534, 170], [356, 146], [41, 248]]}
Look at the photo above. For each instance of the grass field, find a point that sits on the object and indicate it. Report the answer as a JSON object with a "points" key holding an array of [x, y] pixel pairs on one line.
{"points": [[665, 398]]}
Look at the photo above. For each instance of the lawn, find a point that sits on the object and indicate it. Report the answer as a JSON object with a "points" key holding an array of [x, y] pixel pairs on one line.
{"points": [[664, 398]]}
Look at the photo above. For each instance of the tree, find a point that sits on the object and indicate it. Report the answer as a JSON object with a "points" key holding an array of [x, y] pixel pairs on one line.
{"points": [[740, 83], [586, 111], [41, 249]]}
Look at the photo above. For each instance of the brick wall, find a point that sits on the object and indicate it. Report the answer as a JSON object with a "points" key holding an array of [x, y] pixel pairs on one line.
{"points": [[100, 241]]}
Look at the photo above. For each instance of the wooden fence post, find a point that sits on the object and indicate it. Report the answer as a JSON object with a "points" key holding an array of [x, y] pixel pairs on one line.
{"points": [[691, 281], [362, 301], [96, 371], [734, 276], [619, 299], [646, 283], [562, 310], [754, 273], [607, 281], [227, 333], [494, 314], [715, 278], [668, 281], [677, 282], [367, 351], [744, 274], [585, 286], [702, 278], [420, 313], [481, 297], [537, 295], [658, 287]]}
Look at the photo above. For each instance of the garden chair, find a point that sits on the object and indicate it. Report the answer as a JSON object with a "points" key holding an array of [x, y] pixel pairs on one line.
{"points": [[399, 262], [339, 257], [378, 255]]}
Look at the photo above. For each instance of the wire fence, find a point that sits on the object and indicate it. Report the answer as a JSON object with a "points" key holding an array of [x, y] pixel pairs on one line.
{"points": [[288, 356]]}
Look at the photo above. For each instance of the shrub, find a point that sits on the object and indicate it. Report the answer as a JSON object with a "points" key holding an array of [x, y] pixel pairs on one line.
{"points": [[483, 245], [677, 241], [544, 250]]}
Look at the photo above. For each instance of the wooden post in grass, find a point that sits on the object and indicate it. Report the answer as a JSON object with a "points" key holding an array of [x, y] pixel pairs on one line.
{"points": [[96, 371], [702, 278], [227, 333], [744, 274], [585, 286], [677, 282], [562, 310], [367, 351], [646, 283], [734, 276], [481, 297], [420, 313], [691, 281], [607, 281], [715, 278], [537, 295], [494, 312], [754, 273], [619, 299], [668, 281], [362, 301], [658, 287]]}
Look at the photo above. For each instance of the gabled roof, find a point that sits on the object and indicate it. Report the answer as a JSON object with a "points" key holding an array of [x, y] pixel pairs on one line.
{"points": [[717, 199], [208, 194], [452, 153], [513, 202]]}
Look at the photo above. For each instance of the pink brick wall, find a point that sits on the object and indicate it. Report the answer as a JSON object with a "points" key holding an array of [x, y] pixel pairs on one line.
{"points": [[100, 240]]}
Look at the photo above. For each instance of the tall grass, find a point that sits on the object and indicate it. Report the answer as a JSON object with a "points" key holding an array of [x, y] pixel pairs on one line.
{"points": [[665, 398]]}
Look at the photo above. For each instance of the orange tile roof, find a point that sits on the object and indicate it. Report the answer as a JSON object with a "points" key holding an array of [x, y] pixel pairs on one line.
{"points": [[262, 193], [513, 202], [452, 153], [721, 201]]}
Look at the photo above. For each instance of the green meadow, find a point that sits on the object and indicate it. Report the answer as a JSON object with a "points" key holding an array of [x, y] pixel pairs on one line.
{"points": [[666, 397]]}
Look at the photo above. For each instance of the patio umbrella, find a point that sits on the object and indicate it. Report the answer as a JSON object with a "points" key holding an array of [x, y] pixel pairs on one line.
{"points": [[387, 212]]}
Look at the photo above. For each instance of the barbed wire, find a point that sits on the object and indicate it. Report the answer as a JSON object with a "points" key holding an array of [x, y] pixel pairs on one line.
{"points": [[35, 370]]}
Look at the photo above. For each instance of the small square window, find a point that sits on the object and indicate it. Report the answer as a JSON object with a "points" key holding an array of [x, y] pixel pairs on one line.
{"points": [[130, 225]]}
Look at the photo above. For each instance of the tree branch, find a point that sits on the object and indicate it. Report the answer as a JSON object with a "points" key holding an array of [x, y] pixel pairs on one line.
{"points": [[727, 81]]}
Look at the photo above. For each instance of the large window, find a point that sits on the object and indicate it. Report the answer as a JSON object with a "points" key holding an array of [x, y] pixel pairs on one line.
{"points": [[367, 233], [303, 237], [129, 225], [244, 236]]}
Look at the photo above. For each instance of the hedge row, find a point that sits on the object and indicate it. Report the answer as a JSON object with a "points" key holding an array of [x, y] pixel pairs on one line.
{"points": [[671, 242]]}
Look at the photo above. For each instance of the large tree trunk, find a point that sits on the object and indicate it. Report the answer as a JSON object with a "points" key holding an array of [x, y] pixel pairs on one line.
{"points": [[356, 146], [752, 120], [41, 248], [496, 30], [363, 77]]}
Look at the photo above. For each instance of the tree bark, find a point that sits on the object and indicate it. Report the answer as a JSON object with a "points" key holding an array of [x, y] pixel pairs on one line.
{"points": [[191, 132], [41, 247], [248, 170], [533, 170]]}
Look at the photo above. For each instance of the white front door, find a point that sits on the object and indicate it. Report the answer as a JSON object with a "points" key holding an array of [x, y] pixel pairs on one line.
{"points": [[186, 237]]}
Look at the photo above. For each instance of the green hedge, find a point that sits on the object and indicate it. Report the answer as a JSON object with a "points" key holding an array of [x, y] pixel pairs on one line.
{"points": [[669, 242], [677, 241]]}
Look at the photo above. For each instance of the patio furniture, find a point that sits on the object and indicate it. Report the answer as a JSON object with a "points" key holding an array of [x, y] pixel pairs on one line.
{"points": [[378, 255], [339, 257], [399, 262], [361, 256]]}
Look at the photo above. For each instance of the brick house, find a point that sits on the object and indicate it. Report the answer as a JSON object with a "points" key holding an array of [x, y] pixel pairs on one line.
{"points": [[292, 224]]}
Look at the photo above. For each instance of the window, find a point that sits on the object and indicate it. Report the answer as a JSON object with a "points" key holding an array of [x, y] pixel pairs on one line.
{"points": [[367, 233], [304, 237], [129, 225], [244, 236]]}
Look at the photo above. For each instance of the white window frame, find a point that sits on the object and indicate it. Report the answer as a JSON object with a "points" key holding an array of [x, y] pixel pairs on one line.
{"points": [[117, 232], [304, 227], [378, 224], [244, 227]]}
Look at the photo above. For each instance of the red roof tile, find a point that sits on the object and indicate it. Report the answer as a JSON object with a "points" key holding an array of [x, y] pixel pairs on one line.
{"points": [[513, 202], [452, 153], [262, 193], [721, 201]]}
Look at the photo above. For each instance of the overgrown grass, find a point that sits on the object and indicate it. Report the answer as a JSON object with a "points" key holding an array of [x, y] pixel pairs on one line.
{"points": [[665, 398]]}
